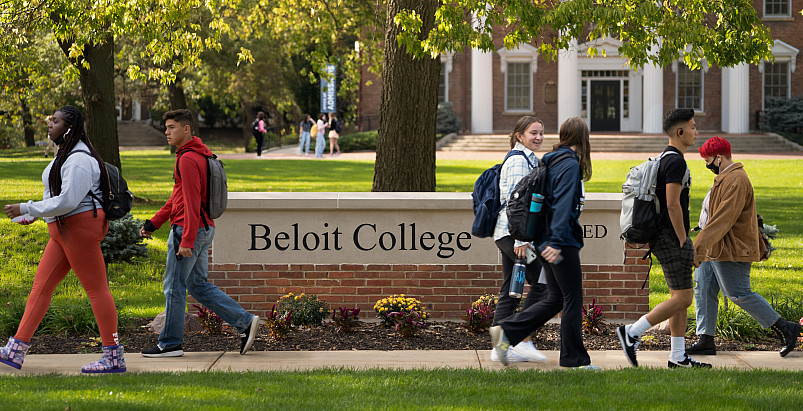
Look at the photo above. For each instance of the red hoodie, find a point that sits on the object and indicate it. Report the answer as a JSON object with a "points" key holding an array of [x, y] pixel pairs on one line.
{"points": [[184, 206]]}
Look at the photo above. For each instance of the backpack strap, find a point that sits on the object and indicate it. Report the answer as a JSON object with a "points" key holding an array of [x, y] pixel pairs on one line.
{"points": [[90, 193], [517, 152]]}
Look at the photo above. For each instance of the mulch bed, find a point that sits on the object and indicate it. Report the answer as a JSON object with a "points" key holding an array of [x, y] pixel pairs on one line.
{"points": [[368, 336]]}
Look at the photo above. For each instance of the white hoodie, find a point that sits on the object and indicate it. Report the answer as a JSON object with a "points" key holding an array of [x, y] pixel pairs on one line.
{"points": [[79, 173]]}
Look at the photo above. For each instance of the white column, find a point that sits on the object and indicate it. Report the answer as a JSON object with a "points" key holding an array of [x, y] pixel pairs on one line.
{"points": [[568, 84], [653, 109], [136, 109], [736, 99], [482, 113]]}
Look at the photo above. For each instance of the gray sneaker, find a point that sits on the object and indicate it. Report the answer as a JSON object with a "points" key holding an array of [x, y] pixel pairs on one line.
{"points": [[247, 337], [500, 343]]}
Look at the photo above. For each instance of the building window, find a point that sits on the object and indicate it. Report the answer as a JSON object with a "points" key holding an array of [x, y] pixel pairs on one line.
{"points": [[777, 8], [625, 98], [518, 87], [776, 80], [584, 99], [443, 94], [689, 88]]}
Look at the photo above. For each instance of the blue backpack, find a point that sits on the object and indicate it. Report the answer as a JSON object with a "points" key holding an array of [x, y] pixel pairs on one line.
{"points": [[486, 198]]}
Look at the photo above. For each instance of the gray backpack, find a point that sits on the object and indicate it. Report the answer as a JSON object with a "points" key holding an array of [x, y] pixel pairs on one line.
{"points": [[217, 189], [640, 220]]}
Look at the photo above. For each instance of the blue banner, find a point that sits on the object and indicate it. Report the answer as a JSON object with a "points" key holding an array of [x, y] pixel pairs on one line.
{"points": [[329, 90]]}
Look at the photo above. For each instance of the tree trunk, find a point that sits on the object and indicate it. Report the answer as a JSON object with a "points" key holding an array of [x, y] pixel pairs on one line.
{"points": [[97, 89], [27, 123], [405, 149]]}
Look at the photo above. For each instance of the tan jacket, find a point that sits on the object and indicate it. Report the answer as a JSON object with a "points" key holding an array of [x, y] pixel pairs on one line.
{"points": [[732, 230]]}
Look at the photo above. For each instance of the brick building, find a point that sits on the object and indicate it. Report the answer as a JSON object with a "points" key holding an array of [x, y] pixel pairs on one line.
{"points": [[490, 91]]}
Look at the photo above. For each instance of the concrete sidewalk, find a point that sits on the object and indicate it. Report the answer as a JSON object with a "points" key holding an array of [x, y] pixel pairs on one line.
{"points": [[307, 360]]}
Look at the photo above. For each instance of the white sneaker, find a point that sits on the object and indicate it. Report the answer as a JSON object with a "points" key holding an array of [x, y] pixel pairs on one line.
{"points": [[511, 357], [527, 349]]}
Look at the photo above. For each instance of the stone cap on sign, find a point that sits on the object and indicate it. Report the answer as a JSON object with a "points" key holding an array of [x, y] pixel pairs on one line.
{"points": [[376, 201]]}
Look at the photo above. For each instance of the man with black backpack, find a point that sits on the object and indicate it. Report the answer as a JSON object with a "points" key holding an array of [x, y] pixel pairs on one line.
{"points": [[191, 233], [672, 245]]}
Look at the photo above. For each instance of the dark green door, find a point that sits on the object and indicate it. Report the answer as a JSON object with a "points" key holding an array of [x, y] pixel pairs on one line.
{"points": [[605, 105]]}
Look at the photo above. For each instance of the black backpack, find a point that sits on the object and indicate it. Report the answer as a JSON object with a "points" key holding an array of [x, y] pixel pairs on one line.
{"points": [[255, 126], [120, 199], [518, 205], [338, 126], [486, 198]]}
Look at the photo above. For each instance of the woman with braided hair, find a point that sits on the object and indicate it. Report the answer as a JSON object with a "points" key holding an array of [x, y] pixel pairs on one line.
{"points": [[76, 224]]}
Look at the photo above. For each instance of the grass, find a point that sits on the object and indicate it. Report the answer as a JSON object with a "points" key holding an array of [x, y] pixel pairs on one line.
{"points": [[137, 288], [411, 389]]}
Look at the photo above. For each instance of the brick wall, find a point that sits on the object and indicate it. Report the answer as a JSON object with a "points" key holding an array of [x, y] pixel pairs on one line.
{"points": [[446, 289]]}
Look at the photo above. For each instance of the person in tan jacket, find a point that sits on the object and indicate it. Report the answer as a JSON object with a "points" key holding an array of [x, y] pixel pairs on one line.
{"points": [[725, 250]]}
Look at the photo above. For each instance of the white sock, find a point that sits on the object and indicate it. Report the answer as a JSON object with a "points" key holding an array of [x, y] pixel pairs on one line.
{"points": [[639, 327], [678, 352]]}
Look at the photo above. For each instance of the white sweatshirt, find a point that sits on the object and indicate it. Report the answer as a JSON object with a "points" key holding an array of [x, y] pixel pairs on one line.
{"points": [[79, 173]]}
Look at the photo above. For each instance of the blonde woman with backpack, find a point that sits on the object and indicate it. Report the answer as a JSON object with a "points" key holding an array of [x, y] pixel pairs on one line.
{"points": [[76, 224]]}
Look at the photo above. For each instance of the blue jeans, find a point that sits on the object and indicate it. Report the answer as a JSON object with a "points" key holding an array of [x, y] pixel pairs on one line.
{"points": [[733, 278], [320, 145], [303, 142], [190, 273]]}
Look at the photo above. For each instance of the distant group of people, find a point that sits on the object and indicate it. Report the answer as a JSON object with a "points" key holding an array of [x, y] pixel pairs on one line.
{"points": [[309, 128], [726, 246]]}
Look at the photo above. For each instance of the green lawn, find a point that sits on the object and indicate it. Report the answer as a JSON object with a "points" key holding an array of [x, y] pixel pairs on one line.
{"points": [[442, 389]]}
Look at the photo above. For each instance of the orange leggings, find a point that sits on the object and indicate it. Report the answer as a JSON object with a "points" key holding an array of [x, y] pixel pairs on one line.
{"points": [[76, 247]]}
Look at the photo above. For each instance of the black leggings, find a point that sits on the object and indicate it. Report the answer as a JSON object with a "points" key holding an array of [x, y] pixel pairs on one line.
{"points": [[507, 304], [565, 284]]}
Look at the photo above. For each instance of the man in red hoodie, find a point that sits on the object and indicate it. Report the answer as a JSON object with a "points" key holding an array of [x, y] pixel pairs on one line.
{"points": [[191, 234]]}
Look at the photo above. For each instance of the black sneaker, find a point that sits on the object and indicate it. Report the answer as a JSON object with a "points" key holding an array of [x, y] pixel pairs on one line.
{"points": [[688, 362], [629, 345], [247, 337], [175, 351]]}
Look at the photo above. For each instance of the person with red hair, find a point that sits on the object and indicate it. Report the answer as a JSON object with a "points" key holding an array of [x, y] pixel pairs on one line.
{"points": [[725, 249]]}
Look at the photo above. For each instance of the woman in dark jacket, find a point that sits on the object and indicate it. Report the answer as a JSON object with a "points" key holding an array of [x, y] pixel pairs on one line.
{"points": [[559, 252]]}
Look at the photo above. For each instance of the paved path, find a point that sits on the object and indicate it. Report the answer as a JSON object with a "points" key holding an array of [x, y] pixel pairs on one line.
{"points": [[307, 360]]}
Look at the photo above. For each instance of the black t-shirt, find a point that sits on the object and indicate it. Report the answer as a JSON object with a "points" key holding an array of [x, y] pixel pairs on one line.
{"points": [[672, 170]]}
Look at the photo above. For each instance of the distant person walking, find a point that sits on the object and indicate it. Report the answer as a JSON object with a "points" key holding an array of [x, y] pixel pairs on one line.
{"points": [[335, 126], [304, 135], [525, 139], [191, 234], [77, 224], [672, 247], [320, 139], [725, 250], [259, 132], [560, 255]]}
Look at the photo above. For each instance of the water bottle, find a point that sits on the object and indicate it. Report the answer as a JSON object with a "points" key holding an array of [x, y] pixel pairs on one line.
{"points": [[517, 279], [532, 218]]}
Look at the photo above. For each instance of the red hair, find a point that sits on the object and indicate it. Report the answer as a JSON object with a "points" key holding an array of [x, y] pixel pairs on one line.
{"points": [[715, 146]]}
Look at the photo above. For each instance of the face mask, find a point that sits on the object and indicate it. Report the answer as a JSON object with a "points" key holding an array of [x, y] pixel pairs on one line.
{"points": [[60, 139], [713, 167]]}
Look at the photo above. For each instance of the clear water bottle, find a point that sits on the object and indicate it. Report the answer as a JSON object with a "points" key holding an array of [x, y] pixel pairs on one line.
{"points": [[532, 218], [517, 279]]}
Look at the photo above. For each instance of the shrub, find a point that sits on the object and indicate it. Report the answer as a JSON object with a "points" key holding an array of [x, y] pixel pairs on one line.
{"points": [[592, 318], [364, 140], [447, 120], [407, 323], [278, 324], [307, 309], [478, 320], [398, 303], [346, 319], [122, 242], [211, 322], [783, 114]]}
